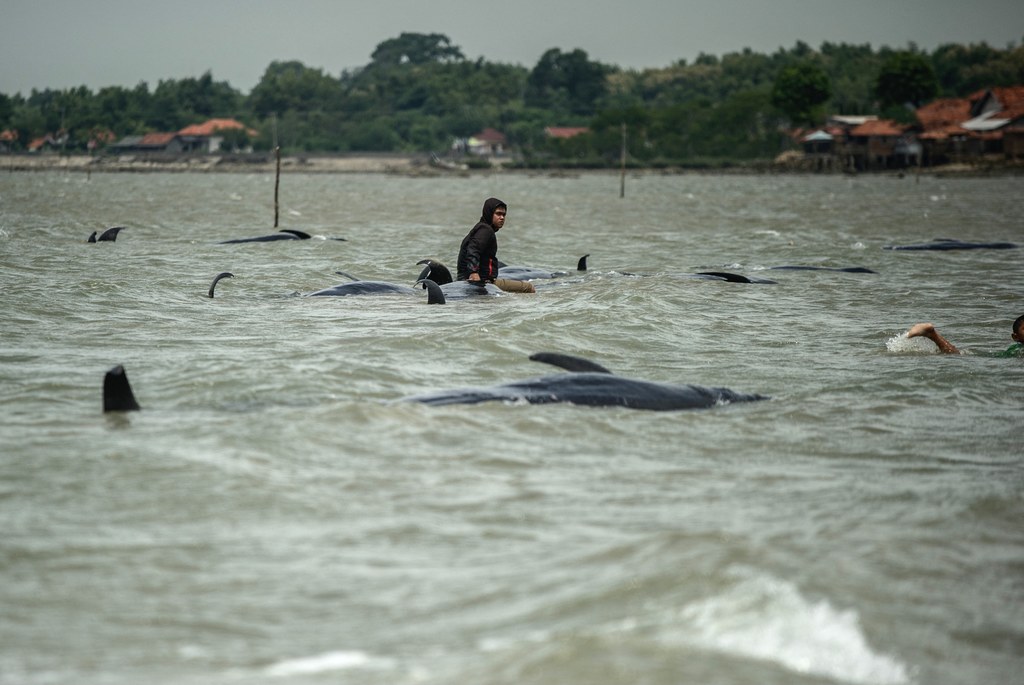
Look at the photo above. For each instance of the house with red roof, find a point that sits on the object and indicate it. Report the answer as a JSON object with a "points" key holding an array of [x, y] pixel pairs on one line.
{"points": [[7, 139], [988, 122], [563, 132], [204, 138], [881, 144], [488, 142], [209, 136]]}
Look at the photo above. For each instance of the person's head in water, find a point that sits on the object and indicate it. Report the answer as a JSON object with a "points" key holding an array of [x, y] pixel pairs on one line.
{"points": [[494, 213], [1018, 330]]}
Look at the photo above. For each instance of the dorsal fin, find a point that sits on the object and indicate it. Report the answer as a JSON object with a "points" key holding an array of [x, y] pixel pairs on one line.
{"points": [[110, 234], [725, 275], [117, 392], [568, 362], [434, 293], [348, 276], [297, 234], [223, 274], [582, 264]]}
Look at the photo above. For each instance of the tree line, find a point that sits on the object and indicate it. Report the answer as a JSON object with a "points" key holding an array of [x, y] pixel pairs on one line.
{"points": [[418, 92]]}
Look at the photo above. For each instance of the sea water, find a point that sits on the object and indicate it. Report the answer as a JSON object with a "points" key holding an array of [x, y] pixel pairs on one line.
{"points": [[274, 515]]}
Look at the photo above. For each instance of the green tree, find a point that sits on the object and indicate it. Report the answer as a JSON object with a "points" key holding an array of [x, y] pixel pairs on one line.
{"points": [[906, 76], [292, 86], [6, 109], [800, 90], [416, 48], [28, 122], [566, 81]]}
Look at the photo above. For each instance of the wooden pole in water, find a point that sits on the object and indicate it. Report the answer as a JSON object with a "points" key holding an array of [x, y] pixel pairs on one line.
{"points": [[622, 163], [277, 181]]}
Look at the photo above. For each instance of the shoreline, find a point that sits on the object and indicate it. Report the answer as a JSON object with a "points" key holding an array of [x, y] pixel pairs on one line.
{"points": [[423, 165]]}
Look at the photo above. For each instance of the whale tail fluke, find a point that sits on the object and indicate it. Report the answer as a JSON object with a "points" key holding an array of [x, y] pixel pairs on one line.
{"points": [[117, 392], [568, 362], [435, 271], [223, 274]]}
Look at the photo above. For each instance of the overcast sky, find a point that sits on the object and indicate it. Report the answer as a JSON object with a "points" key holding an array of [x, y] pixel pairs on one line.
{"points": [[66, 43]]}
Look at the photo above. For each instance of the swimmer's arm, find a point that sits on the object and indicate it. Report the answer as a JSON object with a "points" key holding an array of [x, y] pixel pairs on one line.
{"points": [[927, 330]]}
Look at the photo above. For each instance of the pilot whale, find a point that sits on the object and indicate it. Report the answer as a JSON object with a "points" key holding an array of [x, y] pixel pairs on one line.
{"points": [[530, 273], [455, 290], [359, 287], [283, 234], [590, 384], [728, 276], [952, 244], [109, 235], [844, 269]]}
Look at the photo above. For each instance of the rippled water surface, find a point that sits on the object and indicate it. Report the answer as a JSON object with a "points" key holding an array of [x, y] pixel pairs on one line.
{"points": [[273, 515]]}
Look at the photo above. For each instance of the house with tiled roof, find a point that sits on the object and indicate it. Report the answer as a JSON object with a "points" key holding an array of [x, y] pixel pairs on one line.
{"points": [[43, 143], [988, 122], [7, 139], [563, 132], [488, 142], [149, 143], [203, 138], [209, 136], [881, 144]]}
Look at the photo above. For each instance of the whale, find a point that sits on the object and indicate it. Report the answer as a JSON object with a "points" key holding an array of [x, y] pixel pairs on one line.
{"points": [[530, 273], [359, 287], [588, 383], [730, 277], [109, 235], [844, 269], [117, 391], [952, 244], [440, 274], [283, 234]]}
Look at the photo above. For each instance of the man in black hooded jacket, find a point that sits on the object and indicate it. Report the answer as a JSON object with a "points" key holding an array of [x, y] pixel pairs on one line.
{"points": [[478, 254]]}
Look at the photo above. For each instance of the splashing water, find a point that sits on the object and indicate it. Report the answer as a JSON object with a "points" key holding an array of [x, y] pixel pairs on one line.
{"points": [[901, 344], [767, 618]]}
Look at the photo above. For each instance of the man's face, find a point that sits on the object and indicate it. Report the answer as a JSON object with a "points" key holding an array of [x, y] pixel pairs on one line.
{"points": [[498, 218]]}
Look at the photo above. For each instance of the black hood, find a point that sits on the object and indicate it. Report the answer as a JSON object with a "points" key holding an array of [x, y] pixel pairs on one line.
{"points": [[491, 204]]}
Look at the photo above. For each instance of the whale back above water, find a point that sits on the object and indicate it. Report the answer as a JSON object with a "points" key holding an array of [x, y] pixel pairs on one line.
{"points": [[953, 244], [844, 269], [730, 277], [589, 384], [360, 287], [283, 234], [530, 273], [364, 288]]}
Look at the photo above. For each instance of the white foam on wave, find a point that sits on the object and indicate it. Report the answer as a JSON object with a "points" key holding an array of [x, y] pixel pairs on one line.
{"points": [[766, 618], [321, 663]]}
